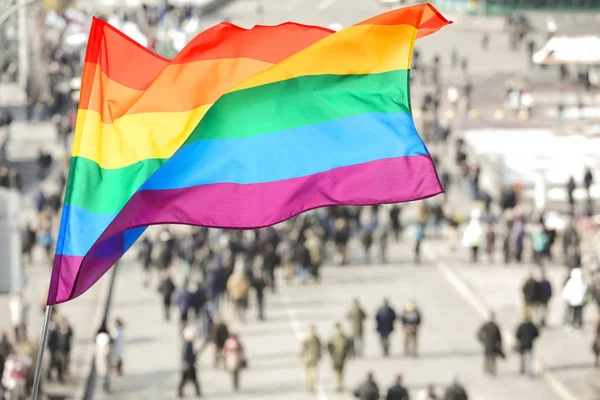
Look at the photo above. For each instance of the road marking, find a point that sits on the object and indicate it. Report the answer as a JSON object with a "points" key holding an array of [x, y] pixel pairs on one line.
{"points": [[297, 328], [325, 4], [483, 310]]}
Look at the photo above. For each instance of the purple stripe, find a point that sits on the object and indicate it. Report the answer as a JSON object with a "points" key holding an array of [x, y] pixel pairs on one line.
{"points": [[249, 206], [64, 272]]}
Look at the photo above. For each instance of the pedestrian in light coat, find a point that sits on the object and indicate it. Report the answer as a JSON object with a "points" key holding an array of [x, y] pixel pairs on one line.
{"points": [[103, 357], [574, 295], [340, 350], [356, 316], [310, 353]]}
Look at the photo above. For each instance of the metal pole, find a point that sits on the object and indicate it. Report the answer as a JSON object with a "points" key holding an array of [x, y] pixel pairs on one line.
{"points": [[38, 365]]}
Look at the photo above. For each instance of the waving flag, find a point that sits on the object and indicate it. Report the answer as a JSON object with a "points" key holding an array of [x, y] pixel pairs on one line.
{"points": [[243, 129]]}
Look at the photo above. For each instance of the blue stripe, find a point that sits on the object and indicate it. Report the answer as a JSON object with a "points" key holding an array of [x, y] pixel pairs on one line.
{"points": [[292, 153], [80, 228]]}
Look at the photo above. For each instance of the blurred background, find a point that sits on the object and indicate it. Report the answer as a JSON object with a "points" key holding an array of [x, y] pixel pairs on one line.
{"points": [[507, 100]]}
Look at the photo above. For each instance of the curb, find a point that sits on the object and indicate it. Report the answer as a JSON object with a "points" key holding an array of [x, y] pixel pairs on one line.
{"points": [[461, 285]]}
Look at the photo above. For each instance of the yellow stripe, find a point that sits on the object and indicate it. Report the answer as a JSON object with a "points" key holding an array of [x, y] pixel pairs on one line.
{"points": [[133, 138], [359, 49]]}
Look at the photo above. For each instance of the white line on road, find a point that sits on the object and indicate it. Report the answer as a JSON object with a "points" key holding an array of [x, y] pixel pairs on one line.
{"points": [[297, 328], [325, 4], [483, 310]]}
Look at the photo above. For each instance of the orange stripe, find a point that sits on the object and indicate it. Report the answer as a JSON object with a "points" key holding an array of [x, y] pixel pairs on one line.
{"points": [[180, 87], [422, 16]]}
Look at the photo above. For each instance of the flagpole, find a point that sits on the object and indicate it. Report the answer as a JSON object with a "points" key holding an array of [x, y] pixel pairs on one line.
{"points": [[38, 365]]}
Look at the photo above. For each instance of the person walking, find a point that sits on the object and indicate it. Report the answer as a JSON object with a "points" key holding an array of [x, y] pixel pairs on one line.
{"points": [[356, 316], [259, 284], [455, 391], [118, 347], [218, 337], [310, 353], [397, 391], [526, 335], [339, 350], [235, 359], [55, 363], [316, 248], [395, 221], [19, 310], [188, 372], [102, 357], [411, 321], [368, 390], [6, 349], [65, 344], [473, 234], [238, 286], [571, 186], [596, 346], [145, 257], [531, 296], [545, 294], [166, 289], [574, 295], [491, 338], [302, 261], [385, 318]]}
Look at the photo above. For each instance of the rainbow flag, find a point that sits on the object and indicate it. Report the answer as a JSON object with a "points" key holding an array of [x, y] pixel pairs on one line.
{"points": [[243, 129]]}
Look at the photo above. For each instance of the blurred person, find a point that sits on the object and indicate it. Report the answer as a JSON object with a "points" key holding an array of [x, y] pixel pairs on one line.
{"points": [[316, 249], [545, 294], [540, 242], [189, 373], [596, 346], [517, 239], [65, 344], [418, 236], [368, 390], [102, 357], [588, 180], [270, 261], [455, 391], [301, 261], [570, 238], [395, 212], [366, 238], [6, 349], [397, 391], [339, 348], [235, 359], [19, 312], [454, 58], [452, 232], [184, 301], [382, 237], [356, 316], [428, 394], [574, 294], [341, 235], [166, 288], [485, 41], [531, 296], [238, 286], [259, 284], [55, 362], [198, 298], [490, 337], [411, 321], [437, 212], [490, 241], [28, 243], [118, 345], [385, 318], [310, 353], [145, 257], [218, 336], [472, 235], [526, 335], [571, 186]]}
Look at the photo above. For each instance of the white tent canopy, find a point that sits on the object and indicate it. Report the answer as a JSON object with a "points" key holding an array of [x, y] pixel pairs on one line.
{"points": [[570, 50]]}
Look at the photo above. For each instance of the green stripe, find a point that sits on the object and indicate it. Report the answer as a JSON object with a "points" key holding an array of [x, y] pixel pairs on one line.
{"points": [[302, 101], [105, 190]]}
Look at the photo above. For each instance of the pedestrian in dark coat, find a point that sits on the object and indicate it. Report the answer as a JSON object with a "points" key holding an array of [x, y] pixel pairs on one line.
{"points": [[145, 257], [188, 373], [456, 392], [397, 391], [259, 284], [218, 336], [166, 289], [53, 349], [385, 317], [367, 390], [526, 334], [531, 296], [65, 340], [491, 338], [570, 190], [6, 349], [395, 221], [302, 261]]}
